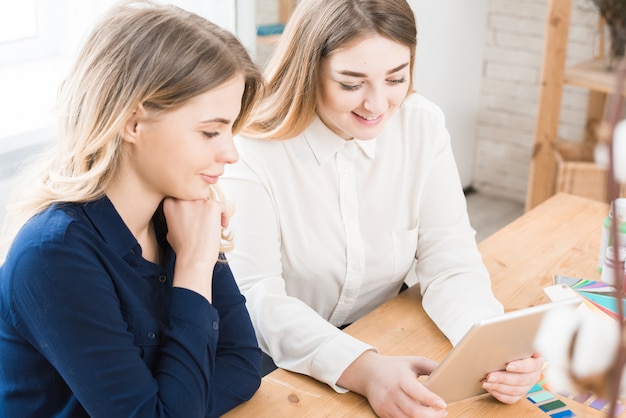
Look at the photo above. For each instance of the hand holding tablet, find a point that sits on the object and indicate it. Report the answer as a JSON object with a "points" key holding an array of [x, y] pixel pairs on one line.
{"points": [[488, 346]]}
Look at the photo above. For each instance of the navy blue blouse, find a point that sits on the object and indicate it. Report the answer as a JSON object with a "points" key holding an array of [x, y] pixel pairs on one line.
{"points": [[90, 328]]}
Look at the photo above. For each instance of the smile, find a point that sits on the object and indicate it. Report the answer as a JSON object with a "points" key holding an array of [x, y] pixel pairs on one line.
{"points": [[370, 118]]}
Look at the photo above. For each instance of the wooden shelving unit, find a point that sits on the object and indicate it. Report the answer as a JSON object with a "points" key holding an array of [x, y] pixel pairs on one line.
{"points": [[285, 7], [563, 166], [591, 75]]}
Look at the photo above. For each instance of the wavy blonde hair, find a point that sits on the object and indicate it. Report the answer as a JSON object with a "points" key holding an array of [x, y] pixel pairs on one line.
{"points": [[141, 53], [316, 29]]}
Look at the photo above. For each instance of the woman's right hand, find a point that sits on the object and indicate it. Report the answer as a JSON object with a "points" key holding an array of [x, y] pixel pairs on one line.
{"points": [[194, 232], [391, 386]]}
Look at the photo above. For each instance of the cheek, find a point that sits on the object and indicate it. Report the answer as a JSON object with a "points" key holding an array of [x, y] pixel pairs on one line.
{"points": [[332, 98], [345, 101], [398, 96]]}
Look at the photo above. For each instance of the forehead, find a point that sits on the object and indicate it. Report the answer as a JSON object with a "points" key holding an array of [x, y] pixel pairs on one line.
{"points": [[373, 52]]}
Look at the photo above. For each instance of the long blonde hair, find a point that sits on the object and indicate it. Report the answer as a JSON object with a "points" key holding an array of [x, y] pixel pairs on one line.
{"points": [[316, 29], [142, 52]]}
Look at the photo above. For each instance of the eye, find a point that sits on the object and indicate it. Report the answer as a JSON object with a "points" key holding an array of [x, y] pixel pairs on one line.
{"points": [[398, 81], [350, 87], [210, 134]]}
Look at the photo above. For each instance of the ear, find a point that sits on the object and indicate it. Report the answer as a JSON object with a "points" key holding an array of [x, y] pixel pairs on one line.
{"points": [[132, 128]]}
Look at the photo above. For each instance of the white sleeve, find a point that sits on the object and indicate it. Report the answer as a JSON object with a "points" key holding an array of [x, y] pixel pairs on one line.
{"points": [[293, 334], [453, 279]]}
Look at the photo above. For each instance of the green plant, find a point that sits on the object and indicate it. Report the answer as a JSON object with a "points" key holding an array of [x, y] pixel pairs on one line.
{"points": [[614, 14]]}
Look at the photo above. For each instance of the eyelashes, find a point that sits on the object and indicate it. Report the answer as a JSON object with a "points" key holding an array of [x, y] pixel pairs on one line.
{"points": [[354, 87], [210, 134], [350, 87]]}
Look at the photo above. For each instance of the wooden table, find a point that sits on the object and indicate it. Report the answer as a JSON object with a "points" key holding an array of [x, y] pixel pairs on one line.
{"points": [[559, 236]]}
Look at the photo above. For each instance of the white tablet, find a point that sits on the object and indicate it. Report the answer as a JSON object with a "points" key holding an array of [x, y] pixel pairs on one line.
{"points": [[488, 346]]}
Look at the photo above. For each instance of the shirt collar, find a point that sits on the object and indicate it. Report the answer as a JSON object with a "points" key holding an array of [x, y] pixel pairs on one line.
{"points": [[110, 226], [325, 143]]}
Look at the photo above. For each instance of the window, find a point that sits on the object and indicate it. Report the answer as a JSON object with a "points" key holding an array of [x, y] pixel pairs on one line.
{"points": [[28, 30], [18, 21], [38, 40]]}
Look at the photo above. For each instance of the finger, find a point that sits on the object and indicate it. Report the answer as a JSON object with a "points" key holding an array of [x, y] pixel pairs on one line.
{"points": [[225, 218], [528, 365], [411, 408], [506, 398], [507, 393], [514, 379], [405, 406], [424, 366], [418, 394], [421, 411]]}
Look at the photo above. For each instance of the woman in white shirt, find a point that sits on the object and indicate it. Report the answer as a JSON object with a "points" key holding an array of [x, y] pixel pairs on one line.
{"points": [[346, 188]]}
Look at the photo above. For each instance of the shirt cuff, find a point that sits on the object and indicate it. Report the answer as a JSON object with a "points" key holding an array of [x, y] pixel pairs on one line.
{"points": [[193, 308], [335, 357]]}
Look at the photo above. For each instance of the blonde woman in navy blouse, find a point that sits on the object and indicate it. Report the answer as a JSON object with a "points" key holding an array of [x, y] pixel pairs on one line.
{"points": [[115, 300], [347, 187]]}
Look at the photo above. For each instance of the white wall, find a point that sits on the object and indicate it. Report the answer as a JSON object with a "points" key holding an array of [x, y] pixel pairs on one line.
{"points": [[510, 90], [449, 60]]}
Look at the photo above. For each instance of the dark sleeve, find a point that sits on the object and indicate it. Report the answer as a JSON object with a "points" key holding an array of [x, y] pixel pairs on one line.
{"points": [[238, 357], [65, 304]]}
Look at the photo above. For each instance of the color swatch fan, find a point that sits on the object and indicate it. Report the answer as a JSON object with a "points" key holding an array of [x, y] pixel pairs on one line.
{"points": [[596, 295]]}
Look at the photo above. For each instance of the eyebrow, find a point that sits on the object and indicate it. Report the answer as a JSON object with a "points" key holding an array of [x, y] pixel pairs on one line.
{"points": [[217, 120], [363, 75]]}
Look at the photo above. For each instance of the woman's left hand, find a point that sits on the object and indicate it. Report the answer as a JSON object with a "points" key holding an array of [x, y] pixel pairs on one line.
{"points": [[512, 384]]}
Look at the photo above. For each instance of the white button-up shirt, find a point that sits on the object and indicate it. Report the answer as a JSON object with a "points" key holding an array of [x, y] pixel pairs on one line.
{"points": [[326, 230]]}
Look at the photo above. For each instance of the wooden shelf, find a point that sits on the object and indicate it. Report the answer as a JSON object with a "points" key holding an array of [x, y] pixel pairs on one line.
{"points": [[550, 169], [591, 75], [285, 8], [267, 39]]}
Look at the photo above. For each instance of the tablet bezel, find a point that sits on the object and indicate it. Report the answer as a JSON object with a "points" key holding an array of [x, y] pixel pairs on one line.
{"points": [[488, 346]]}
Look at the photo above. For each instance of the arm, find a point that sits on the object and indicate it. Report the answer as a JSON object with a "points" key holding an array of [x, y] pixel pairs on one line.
{"points": [[194, 229], [66, 305], [454, 282], [296, 336], [238, 357], [452, 274]]}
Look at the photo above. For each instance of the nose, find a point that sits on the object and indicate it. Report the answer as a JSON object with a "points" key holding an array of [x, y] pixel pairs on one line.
{"points": [[375, 101], [228, 152]]}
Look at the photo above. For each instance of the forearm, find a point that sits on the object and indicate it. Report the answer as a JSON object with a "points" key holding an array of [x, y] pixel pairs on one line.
{"points": [[238, 357], [357, 376], [194, 276]]}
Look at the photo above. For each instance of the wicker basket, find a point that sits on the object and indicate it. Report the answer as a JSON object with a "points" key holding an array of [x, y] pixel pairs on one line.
{"points": [[577, 174]]}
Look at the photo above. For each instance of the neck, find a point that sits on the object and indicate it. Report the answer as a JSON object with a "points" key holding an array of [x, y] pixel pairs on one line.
{"points": [[136, 207]]}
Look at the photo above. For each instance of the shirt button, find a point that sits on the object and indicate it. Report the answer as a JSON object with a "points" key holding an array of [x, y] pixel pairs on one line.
{"points": [[215, 325], [162, 278], [151, 335]]}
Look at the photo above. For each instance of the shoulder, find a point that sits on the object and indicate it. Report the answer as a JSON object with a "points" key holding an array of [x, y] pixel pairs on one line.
{"points": [[40, 238], [259, 155], [51, 225], [250, 147], [416, 105], [34, 252]]}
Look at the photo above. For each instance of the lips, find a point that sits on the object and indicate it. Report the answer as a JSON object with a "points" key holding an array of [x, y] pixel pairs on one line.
{"points": [[369, 119], [209, 178]]}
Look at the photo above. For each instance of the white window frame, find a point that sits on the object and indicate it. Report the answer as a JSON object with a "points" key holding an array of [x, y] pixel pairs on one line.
{"points": [[29, 80], [45, 42]]}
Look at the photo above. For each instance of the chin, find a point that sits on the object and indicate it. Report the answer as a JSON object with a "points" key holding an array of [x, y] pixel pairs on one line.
{"points": [[367, 135]]}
